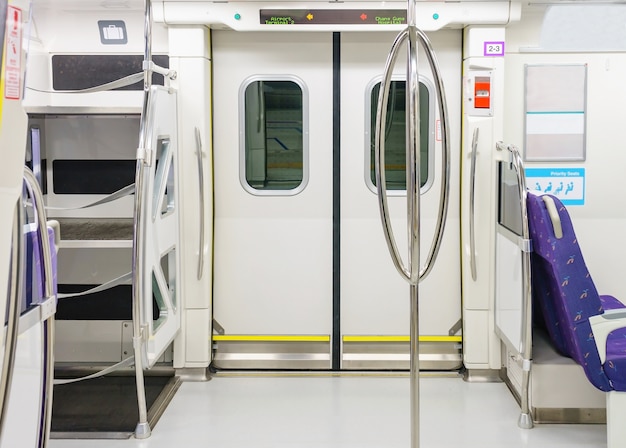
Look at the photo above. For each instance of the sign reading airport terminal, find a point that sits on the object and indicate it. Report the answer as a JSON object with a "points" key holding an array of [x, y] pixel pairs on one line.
{"points": [[333, 17]]}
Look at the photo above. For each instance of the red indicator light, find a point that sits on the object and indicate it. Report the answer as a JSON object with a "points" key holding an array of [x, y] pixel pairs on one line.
{"points": [[363, 16]]}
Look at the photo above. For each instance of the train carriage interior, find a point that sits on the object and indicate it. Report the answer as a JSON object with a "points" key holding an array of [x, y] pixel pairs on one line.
{"points": [[312, 224]]}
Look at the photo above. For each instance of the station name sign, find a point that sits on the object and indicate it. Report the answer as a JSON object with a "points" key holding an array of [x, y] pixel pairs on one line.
{"points": [[333, 17]]}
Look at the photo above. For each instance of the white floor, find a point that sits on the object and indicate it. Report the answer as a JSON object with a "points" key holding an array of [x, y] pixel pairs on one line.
{"points": [[345, 412]]}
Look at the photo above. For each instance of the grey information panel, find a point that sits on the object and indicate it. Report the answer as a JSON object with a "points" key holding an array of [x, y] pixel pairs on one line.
{"points": [[555, 118]]}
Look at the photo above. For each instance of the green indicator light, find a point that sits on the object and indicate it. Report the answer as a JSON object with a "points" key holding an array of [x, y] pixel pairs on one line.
{"points": [[237, 16], [436, 16]]}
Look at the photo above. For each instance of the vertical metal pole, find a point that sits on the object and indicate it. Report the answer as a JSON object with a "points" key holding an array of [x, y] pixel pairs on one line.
{"points": [[411, 273], [142, 429], [414, 216], [414, 388], [413, 209]]}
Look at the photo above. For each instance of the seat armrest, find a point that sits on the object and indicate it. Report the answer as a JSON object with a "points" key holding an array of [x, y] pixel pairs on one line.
{"points": [[56, 227], [603, 324]]}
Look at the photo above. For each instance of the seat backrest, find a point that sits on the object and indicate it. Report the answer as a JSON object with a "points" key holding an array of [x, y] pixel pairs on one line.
{"points": [[34, 274], [562, 286]]}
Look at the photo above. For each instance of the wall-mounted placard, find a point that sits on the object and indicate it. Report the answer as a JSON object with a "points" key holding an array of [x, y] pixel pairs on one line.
{"points": [[555, 106], [566, 183]]}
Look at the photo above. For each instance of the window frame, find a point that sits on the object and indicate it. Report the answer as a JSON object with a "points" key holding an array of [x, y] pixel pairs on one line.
{"points": [[242, 135]]}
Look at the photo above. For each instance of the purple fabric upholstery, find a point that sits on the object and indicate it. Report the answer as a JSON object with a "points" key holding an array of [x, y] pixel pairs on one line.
{"points": [[610, 303], [615, 365], [565, 293], [34, 288]]}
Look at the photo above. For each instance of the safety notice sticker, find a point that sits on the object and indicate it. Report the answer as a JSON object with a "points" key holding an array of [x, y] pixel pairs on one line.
{"points": [[13, 54]]}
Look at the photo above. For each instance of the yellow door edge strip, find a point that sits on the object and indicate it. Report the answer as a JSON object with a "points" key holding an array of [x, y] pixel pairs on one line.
{"points": [[270, 338], [401, 338]]}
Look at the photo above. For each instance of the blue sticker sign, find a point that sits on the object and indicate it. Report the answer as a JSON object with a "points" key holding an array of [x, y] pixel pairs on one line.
{"points": [[567, 184]]}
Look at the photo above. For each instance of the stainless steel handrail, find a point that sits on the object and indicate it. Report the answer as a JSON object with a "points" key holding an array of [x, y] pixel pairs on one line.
{"points": [[525, 419], [472, 203], [142, 429], [442, 214], [413, 156], [144, 158], [379, 157], [46, 256], [411, 272], [199, 152], [15, 295]]}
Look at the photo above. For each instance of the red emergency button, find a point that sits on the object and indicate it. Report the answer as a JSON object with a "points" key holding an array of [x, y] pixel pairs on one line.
{"points": [[482, 92]]}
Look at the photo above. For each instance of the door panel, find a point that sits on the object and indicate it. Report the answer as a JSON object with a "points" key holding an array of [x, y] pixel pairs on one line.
{"points": [[273, 287], [273, 248], [374, 297]]}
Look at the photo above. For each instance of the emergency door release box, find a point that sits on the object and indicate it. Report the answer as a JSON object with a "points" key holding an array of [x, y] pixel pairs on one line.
{"points": [[477, 93]]}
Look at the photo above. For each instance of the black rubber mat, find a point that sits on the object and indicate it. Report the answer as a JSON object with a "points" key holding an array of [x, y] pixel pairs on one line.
{"points": [[102, 405]]}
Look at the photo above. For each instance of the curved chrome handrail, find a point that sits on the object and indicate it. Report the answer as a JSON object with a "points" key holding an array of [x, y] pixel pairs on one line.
{"points": [[445, 156], [15, 295], [525, 420], [379, 157], [408, 273], [199, 152], [48, 281], [472, 203]]}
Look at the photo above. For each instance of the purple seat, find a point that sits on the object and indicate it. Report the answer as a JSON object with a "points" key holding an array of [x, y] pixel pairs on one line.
{"points": [[564, 292], [34, 287]]}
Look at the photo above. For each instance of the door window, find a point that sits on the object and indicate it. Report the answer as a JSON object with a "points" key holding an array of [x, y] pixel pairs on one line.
{"points": [[395, 136], [274, 130]]}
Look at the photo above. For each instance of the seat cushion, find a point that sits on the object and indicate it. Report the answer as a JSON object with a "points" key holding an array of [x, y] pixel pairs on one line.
{"points": [[615, 365], [610, 303]]}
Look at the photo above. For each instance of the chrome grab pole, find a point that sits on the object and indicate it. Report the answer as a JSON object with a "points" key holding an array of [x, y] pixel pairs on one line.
{"points": [[413, 220], [411, 272], [49, 294], [525, 419], [15, 296], [472, 200], [142, 429]]}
